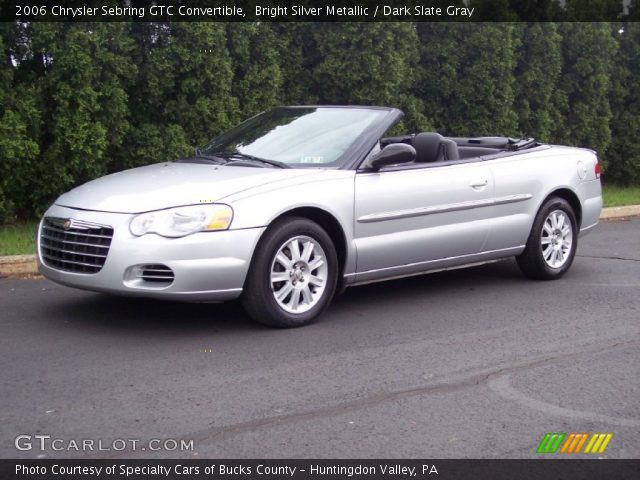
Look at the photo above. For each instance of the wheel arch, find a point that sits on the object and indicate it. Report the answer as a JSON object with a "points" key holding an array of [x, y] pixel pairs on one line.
{"points": [[571, 197], [329, 223]]}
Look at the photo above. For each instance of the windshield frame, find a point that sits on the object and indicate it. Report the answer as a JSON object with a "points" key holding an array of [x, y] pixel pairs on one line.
{"points": [[353, 155]]}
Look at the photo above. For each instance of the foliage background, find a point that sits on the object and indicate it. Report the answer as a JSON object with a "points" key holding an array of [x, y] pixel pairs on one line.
{"points": [[78, 100]]}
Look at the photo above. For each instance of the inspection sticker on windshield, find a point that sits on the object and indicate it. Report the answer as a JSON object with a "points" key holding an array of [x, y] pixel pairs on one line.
{"points": [[312, 159]]}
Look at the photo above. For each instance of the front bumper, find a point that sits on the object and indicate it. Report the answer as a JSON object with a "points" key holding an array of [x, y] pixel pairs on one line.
{"points": [[207, 266]]}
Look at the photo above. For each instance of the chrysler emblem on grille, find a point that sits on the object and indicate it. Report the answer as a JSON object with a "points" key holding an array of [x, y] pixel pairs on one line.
{"points": [[67, 224]]}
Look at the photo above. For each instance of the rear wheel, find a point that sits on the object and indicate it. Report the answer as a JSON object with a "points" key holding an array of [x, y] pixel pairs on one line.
{"points": [[552, 243], [293, 274]]}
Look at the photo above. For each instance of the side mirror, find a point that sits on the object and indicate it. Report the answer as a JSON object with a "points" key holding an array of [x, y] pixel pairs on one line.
{"points": [[392, 154]]}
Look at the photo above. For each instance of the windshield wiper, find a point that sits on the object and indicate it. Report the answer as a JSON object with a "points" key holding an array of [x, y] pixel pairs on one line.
{"points": [[275, 163], [214, 158], [243, 156], [201, 158]]}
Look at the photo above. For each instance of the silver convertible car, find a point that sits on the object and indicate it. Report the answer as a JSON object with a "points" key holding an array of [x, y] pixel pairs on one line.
{"points": [[297, 203]]}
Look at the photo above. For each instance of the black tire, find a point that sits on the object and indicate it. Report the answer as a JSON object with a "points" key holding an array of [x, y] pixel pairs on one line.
{"points": [[258, 298], [532, 261]]}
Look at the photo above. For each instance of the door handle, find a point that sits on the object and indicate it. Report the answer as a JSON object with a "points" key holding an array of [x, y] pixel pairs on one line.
{"points": [[479, 185]]}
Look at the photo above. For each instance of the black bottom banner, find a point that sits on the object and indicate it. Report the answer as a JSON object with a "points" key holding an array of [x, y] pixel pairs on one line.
{"points": [[318, 469]]}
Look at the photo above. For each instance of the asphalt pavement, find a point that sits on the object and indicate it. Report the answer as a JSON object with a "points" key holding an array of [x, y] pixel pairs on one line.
{"points": [[476, 363]]}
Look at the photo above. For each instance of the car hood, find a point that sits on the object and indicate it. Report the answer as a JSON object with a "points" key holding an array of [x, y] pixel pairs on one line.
{"points": [[165, 185]]}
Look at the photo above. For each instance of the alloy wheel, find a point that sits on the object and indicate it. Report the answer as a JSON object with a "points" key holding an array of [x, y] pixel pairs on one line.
{"points": [[299, 273], [556, 239]]}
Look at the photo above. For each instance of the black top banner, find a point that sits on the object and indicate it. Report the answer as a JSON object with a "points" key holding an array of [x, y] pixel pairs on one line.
{"points": [[218, 469], [319, 11]]}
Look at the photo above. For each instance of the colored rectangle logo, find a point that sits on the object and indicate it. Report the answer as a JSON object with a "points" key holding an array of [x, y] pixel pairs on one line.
{"points": [[573, 443], [551, 442]]}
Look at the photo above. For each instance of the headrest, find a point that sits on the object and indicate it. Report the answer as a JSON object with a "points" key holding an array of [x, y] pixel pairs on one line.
{"points": [[427, 146]]}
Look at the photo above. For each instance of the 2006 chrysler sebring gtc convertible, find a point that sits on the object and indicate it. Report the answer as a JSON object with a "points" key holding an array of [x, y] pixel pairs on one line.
{"points": [[298, 202]]}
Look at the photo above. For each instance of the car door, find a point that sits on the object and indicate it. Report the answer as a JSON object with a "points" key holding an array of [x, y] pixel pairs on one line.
{"points": [[406, 219]]}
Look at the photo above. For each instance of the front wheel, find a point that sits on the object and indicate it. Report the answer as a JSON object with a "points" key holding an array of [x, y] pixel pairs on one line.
{"points": [[293, 274], [552, 243]]}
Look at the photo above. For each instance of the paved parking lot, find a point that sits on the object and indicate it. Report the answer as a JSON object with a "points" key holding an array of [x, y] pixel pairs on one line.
{"points": [[474, 363]]}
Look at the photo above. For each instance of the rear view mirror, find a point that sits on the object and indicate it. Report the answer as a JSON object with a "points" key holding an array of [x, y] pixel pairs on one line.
{"points": [[393, 154]]}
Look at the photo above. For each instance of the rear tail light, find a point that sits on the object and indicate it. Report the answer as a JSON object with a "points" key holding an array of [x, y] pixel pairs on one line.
{"points": [[598, 169]]}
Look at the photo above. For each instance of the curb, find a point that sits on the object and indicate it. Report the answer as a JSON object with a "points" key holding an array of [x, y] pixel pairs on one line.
{"points": [[620, 212], [14, 265], [23, 265]]}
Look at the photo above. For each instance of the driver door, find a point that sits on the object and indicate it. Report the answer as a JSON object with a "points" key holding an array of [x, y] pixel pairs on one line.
{"points": [[409, 219]]}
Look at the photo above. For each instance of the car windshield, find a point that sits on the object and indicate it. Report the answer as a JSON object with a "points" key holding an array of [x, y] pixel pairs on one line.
{"points": [[297, 136]]}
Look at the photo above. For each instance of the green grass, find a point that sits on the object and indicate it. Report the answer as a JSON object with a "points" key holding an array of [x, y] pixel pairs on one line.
{"points": [[619, 196], [18, 238]]}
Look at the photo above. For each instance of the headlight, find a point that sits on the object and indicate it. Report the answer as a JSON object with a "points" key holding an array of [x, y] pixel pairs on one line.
{"points": [[181, 221]]}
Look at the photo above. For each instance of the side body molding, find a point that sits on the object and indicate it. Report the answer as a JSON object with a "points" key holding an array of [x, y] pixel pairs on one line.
{"points": [[452, 207]]}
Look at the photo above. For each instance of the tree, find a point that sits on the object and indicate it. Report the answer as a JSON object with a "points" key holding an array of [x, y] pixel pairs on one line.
{"points": [[182, 96], [537, 10], [19, 118], [493, 10], [370, 64], [78, 100], [582, 95], [86, 80], [257, 76], [299, 57], [199, 100], [467, 77], [593, 10], [623, 155], [537, 74], [148, 95], [633, 14]]}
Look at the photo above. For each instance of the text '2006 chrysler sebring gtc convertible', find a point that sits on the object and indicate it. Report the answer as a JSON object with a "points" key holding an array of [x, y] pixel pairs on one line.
{"points": [[297, 203]]}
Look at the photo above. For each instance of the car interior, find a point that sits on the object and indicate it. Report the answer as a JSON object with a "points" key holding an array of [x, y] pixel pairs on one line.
{"points": [[432, 147]]}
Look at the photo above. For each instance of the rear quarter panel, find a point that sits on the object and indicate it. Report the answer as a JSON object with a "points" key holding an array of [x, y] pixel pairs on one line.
{"points": [[540, 173]]}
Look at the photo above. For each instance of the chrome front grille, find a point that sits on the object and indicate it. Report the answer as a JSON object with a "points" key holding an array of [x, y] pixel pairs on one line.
{"points": [[156, 273], [73, 245]]}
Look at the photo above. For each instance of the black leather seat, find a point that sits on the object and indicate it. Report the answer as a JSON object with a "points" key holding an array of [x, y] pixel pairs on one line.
{"points": [[450, 150], [433, 147]]}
